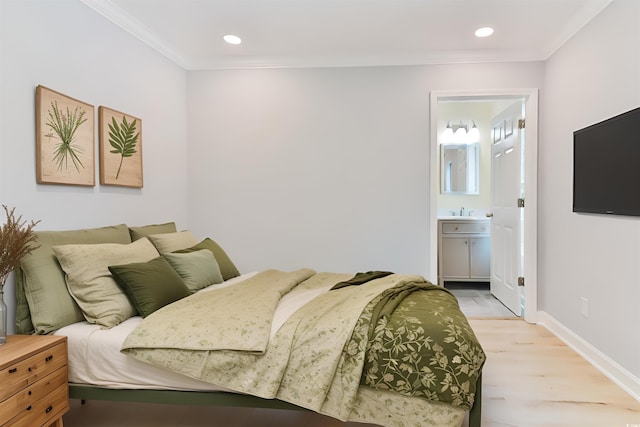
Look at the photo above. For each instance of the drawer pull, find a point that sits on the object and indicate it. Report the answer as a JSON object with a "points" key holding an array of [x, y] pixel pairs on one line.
{"points": [[49, 409], [29, 408], [13, 370], [48, 358]]}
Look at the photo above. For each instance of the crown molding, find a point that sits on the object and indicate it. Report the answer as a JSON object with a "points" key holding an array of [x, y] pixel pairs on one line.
{"points": [[453, 57], [577, 22], [136, 28]]}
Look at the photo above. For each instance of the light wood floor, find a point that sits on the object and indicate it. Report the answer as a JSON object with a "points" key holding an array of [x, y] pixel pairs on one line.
{"points": [[531, 379]]}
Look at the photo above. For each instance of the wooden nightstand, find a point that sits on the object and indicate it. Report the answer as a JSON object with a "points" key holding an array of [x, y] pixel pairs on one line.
{"points": [[33, 374]]}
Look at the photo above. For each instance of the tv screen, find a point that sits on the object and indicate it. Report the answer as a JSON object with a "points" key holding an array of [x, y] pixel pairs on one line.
{"points": [[606, 166]]}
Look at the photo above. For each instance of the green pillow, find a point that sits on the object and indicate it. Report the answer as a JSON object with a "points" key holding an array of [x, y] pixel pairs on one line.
{"points": [[170, 242], [42, 284], [227, 268], [198, 269], [147, 230], [150, 285], [90, 283]]}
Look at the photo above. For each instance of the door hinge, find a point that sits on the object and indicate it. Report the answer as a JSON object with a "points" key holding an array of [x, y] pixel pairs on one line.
{"points": [[521, 202], [521, 123], [520, 281]]}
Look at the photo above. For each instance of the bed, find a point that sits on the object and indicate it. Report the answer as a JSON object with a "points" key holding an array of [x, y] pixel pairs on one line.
{"points": [[376, 347]]}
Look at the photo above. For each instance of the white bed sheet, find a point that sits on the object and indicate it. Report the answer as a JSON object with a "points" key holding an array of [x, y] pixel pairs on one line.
{"points": [[95, 358]]}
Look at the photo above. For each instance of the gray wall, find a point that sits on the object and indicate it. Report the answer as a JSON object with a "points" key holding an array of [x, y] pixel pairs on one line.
{"points": [[66, 46], [326, 168], [594, 76]]}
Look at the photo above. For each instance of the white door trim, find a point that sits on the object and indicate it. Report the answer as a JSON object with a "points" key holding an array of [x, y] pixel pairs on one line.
{"points": [[531, 186]]}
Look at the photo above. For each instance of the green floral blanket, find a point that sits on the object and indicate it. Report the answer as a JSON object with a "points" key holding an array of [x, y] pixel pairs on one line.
{"points": [[420, 344], [396, 333]]}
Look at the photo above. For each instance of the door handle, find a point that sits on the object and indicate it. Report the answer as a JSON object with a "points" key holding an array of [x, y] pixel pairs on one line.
{"points": [[489, 214]]}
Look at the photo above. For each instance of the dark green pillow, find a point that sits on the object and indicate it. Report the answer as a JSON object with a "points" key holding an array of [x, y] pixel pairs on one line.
{"points": [[150, 285], [227, 268]]}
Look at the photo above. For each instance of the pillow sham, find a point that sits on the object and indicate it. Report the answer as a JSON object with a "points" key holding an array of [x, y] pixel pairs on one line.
{"points": [[147, 230], [227, 268], [90, 283], [42, 283], [150, 285], [170, 242], [198, 269]]}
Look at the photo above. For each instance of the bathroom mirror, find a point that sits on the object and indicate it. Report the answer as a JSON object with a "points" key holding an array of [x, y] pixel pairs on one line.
{"points": [[459, 168]]}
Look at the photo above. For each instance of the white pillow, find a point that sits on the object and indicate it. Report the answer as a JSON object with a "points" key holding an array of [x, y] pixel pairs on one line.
{"points": [[90, 282]]}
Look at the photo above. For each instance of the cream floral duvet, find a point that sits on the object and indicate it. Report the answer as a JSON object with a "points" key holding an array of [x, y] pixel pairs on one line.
{"points": [[395, 351]]}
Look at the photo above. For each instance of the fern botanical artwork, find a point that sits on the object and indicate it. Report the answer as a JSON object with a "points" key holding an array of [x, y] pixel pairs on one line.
{"points": [[64, 139], [120, 148]]}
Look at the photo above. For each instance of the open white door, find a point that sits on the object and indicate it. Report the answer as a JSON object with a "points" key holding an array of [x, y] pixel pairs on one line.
{"points": [[530, 153], [507, 185]]}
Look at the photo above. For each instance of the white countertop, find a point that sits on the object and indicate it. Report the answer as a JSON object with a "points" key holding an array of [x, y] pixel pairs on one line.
{"points": [[462, 218]]}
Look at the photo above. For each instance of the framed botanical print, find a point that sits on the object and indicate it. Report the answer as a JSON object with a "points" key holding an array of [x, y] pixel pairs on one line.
{"points": [[120, 149], [64, 139]]}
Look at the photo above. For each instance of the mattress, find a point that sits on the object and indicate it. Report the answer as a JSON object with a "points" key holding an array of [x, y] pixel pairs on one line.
{"points": [[95, 358]]}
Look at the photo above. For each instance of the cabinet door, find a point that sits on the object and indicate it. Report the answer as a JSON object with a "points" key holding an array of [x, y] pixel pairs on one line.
{"points": [[455, 253], [480, 257]]}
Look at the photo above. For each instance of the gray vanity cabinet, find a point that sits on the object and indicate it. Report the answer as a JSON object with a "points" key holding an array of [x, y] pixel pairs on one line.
{"points": [[464, 250]]}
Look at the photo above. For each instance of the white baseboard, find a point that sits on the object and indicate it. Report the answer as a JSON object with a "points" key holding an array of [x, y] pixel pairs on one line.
{"points": [[616, 373]]}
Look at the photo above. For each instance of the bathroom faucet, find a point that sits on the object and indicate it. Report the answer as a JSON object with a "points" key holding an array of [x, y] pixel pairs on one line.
{"points": [[462, 211]]}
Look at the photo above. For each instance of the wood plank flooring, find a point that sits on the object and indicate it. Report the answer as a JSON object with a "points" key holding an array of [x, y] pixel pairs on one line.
{"points": [[531, 379]]}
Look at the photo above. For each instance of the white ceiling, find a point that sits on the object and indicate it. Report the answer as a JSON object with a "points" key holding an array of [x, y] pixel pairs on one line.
{"points": [[317, 33]]}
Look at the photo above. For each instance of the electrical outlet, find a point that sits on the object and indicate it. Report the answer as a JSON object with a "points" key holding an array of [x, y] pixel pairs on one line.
{"points": [[584, 306]]}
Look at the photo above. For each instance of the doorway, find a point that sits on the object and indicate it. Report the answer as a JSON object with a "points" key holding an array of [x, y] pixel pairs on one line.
{"points": [[529, 228]]}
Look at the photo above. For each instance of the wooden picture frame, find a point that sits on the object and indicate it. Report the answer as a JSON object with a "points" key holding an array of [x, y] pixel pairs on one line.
{"points": [[120, 138], [65, 149]]}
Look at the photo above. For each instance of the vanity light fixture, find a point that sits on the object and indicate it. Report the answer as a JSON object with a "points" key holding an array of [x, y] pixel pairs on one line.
{"points": [[474, 134], [447, 136], [459, 133], [231, 39]]}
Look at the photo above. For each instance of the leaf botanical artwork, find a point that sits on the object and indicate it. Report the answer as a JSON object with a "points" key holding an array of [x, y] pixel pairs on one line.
{"points": [[64, 139], [65, 125], [123, 139], [120, 148]]}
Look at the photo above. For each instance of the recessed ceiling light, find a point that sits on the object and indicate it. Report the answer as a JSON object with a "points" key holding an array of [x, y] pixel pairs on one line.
{"points": [[484, 32], [230, 38]]}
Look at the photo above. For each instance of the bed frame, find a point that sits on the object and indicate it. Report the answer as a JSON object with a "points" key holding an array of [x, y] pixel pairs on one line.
{"points": [[86, 392]]}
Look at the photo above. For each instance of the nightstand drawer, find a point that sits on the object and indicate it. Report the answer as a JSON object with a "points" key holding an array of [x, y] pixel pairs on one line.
{"points": [[28, 397], [23, 373], [44, 411]]}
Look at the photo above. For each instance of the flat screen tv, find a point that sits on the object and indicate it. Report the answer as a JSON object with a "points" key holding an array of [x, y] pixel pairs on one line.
{"points": [[606, 166]]}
